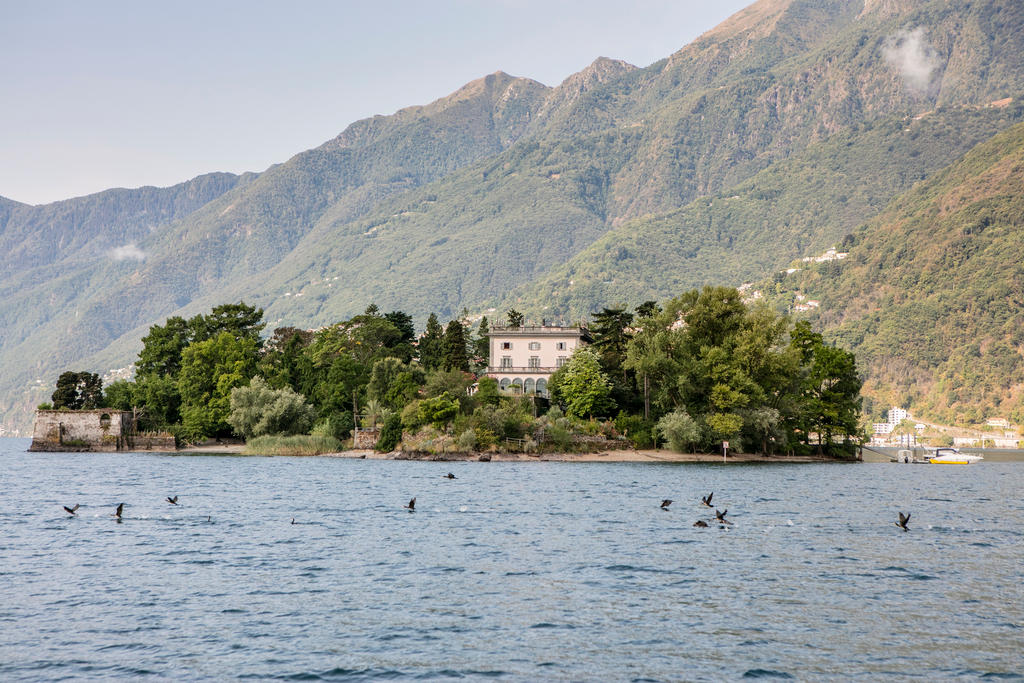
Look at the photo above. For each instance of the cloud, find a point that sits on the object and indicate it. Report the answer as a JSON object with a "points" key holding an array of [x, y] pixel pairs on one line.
{"points": [[128, 251], [908, 52]]}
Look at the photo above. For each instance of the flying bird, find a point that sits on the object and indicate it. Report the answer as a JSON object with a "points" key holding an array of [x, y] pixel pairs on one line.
{"points": [[293, 520], [707, 499], [701, 523], [71, 511], [904, 518], [665, 503], [120, 509], [720, 516], [450, 476], [411, 506], [172, 501]]}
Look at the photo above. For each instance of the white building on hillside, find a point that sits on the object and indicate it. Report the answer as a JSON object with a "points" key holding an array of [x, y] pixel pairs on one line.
{"points": [[523, 358]]}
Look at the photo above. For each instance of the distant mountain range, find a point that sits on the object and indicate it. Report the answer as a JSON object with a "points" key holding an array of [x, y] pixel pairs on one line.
{"points": [[774, 136]]}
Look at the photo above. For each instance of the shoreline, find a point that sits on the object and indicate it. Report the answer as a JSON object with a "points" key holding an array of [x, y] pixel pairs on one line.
{"points": [[623, 455]]}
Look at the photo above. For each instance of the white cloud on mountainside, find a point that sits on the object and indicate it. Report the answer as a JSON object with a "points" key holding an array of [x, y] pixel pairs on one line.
{"points": [[126, 252], [909, 52]]}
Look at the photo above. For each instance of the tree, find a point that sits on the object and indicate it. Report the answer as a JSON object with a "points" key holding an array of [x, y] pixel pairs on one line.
{"points": [[77, 391], [209, 371], [581, 386], [390, 433], [431, 344], [393, 383], [403, 323], [515, 318], [162, 347], [258, 410], [830, 391], [438, 411], [482, 344], [455, 347]]}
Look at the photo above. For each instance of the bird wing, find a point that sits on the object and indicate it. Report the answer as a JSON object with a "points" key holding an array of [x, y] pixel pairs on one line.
{"points": [[710, 496]]}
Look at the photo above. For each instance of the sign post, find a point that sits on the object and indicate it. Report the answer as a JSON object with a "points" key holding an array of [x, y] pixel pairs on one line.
{"points": [[725, 450]]}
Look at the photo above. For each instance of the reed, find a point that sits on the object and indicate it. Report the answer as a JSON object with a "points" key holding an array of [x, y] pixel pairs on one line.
{"points": [[301, 444]]}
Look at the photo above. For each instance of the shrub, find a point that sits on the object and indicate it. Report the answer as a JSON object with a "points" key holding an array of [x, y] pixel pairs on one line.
{"points": [[466, 440], [640, 432], [390, 433], [337, 426], [680, 431], [258, 410]]}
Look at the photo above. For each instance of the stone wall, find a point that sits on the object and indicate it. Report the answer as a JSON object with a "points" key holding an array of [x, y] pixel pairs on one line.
{"points": [[81, 430], [365, 439]]}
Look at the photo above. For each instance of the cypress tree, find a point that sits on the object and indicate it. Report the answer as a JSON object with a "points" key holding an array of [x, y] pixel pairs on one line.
{"points": [[431, 345], [455, 347]]}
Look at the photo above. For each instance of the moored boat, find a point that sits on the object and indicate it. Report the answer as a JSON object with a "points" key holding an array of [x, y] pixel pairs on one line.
{"points": [[951, 456]]}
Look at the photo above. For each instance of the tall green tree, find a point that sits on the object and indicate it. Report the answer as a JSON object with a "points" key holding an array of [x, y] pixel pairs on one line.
{"points": [[514, 317], [431, 344], [455, 347], [482, 344], [209, 371]]}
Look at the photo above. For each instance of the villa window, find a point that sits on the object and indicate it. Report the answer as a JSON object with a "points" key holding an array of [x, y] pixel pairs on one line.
{"points": [[534, 361], [506, 361], [535, 346], [560, 361], [560, 346], [506, 346]]}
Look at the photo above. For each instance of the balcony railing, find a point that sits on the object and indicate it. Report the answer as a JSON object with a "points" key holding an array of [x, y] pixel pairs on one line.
{"points": [[522, 369]]}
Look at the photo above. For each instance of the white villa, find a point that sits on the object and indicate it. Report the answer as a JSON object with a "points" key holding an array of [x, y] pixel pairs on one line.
{"points": [[523, 358]]}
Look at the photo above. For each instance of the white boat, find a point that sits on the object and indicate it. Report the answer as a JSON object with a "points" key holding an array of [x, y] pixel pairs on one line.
{"points": [[951, 456]]}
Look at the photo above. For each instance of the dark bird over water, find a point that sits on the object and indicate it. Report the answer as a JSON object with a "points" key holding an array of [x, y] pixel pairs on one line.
{"points": [[70, 511], [720, 516], [412, 505], [172, 501], [665, 503], [701, 523], [293, 520], [119, 510], [904, 518], [707, 499], [450, 476]]}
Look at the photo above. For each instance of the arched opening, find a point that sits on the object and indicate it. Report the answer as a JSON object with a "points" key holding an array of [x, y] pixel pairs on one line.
{"points": [[105, 421], [503, 384], [542, 387], [517, 385], [528, 385]]}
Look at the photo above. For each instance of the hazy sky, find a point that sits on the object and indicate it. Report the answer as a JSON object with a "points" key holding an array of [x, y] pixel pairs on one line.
{"points": [[103, 94]]}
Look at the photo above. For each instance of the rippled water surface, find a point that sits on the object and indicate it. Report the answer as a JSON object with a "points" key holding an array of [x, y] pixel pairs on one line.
{"points": [[511, 572]]}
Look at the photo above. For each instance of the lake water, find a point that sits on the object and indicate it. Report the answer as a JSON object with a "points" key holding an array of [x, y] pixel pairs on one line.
{"points": [[511, 572]]}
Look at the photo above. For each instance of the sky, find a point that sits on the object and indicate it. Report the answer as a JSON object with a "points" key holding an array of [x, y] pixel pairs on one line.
{"points": [[104, 94]]}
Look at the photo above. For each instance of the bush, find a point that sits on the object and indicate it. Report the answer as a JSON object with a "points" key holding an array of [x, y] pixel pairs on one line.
{"points": [[467, 441], [640, 432], [390, 433], [680, 431], [337, 426], [44, 406], [258, 410], [292, 445]]}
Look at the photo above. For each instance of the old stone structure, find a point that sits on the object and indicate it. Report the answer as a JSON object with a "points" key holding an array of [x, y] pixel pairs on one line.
{"points": [[102, 430]]}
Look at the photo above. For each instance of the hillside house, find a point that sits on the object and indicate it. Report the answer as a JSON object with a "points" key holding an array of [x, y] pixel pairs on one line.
{"points": [[522, 359]]}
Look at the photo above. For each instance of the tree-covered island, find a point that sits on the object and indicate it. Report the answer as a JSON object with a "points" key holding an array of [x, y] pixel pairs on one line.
{"points": [[697, 370]]}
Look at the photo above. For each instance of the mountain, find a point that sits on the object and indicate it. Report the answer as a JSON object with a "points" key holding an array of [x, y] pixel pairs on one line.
{"points": [[931, 295], [775, 133]]}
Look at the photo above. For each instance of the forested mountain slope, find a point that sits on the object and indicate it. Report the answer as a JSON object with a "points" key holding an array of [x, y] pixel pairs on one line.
{"points": [[931, 296]]}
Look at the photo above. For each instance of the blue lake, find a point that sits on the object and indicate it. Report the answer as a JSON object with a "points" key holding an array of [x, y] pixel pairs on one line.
{"points": [[511, 572]]}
